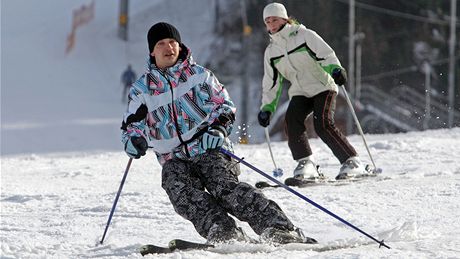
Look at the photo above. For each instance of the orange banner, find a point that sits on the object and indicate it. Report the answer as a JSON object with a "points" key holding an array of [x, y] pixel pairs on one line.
{"points": [[81, 16]]}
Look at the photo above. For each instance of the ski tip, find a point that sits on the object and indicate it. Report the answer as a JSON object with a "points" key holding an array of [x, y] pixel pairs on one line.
{"points": [[261, 185], [144, 250], [153, 249]]}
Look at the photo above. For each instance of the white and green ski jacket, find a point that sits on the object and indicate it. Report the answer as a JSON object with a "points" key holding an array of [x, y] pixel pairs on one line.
{"points": [[301, 56]]}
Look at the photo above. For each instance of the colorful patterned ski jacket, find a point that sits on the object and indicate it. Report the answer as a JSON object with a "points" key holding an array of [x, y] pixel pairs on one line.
{"points": [[301, 56], [171, 109]]}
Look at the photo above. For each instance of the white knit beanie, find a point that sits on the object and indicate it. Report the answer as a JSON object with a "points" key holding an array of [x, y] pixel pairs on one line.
{"points": [[275, 9]]}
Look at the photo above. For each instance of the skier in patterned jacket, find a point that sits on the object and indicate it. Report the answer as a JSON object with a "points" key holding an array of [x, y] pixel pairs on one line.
{"points": [[301, 56], [180, 110]]}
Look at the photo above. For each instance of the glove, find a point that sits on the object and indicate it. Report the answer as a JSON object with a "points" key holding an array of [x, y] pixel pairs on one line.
{"points": [[339, 75], [136, 146], [264, 118], [212, 139]]}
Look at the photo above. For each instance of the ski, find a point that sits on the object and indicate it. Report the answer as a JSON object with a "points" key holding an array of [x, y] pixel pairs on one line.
{"points": [[153, 249], [237, 247], [175, 244], [291, 181], [301, 183]]}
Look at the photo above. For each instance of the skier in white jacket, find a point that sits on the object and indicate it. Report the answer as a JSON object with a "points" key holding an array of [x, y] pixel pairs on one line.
{"points": [[302, 57]]}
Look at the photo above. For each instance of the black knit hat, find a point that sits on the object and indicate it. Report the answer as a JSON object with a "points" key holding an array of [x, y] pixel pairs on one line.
{"points": [[161, 31]]}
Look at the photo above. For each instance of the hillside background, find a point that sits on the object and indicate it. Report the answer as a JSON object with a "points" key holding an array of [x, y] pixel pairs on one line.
{"points": [[401, 39], [398, 40]]}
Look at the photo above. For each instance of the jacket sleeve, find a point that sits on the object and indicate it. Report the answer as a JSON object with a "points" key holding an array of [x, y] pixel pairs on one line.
{"points": [[223, 112], [134, 123], [325, 55], [272, 84]]}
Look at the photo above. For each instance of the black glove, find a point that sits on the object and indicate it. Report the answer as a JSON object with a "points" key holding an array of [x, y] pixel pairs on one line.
{"points": [[339, 75], [135, 147], [264, 118]]}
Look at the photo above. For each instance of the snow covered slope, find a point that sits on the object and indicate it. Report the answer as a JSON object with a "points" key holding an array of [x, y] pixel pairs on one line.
{"points": [[57, 205]]}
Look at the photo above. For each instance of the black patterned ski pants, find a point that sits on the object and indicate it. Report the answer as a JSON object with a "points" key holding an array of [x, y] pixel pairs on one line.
{"points": [[206, 189]]}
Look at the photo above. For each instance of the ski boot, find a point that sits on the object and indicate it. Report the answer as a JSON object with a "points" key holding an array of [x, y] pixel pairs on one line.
{"points": [[281, 236], [351, 168], [307, 169]]}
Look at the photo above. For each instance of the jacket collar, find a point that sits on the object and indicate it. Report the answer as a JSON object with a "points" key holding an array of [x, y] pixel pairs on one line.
{"points": [[185, 59], [287, 31]]}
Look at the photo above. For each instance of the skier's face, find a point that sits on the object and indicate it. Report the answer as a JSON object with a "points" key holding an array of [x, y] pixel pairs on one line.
{"points": [[274, 23], [166, 53]]}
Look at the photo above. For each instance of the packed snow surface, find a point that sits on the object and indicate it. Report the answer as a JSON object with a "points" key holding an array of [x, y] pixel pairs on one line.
{"points": [[57, 205]]}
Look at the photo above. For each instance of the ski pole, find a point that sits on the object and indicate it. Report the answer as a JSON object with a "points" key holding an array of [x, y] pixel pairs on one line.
{"points": [[358, 125], [116, 199], [277, 172], [224, 151]]}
